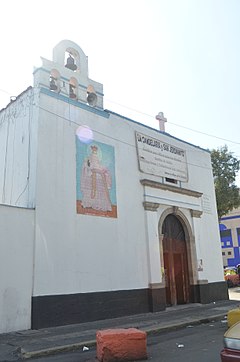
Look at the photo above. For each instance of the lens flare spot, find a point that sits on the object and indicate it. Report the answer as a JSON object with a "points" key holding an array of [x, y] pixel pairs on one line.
{"points": [[84, 134]]}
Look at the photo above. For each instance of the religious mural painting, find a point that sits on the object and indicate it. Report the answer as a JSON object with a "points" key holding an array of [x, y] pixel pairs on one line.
{"points": [[96, 185]]}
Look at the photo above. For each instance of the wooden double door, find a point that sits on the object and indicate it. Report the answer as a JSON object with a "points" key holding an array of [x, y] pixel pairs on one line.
{"points": [[175, 261]]}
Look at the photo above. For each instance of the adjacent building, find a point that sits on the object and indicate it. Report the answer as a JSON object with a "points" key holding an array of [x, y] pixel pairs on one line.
{"points": [[230, 238], [100, 216]]}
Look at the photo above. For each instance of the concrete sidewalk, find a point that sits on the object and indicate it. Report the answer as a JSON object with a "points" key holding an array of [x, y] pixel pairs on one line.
{"points": [[28, 344]]}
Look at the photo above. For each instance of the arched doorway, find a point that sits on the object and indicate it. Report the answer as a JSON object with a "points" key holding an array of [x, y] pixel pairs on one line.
{"points": [[175, 261]]}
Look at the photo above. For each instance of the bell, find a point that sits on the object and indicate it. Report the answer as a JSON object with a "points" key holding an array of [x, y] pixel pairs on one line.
{"points": [[53, 85], [71, 91], [91, 99], [70, 63]]}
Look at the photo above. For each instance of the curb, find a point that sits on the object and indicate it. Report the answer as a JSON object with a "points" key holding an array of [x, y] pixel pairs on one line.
{"points": [[150, 331], [55, 350], [158, 330]]}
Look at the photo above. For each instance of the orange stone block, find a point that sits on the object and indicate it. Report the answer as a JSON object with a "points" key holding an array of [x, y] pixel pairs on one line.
{"points": [[121, 345]]}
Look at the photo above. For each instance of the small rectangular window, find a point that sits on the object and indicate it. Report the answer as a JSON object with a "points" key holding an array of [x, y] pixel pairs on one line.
{"points": [[226, 233], [229, 253], [171, 180]]}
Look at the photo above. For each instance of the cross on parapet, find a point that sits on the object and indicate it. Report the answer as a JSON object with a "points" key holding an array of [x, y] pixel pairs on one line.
{"points": [[162, 120]]}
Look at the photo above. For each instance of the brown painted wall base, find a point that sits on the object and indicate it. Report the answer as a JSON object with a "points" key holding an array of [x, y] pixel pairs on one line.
{"points": [[209, 292], [157, 299], [57, 310]]}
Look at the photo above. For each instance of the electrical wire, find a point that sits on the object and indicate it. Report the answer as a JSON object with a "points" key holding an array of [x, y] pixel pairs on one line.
{"points": [[177, 125], [108, 136], [126, 143], [169, 122]]}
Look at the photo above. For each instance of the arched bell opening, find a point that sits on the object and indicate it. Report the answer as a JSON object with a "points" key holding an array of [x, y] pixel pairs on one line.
{"points": [[73, 88], [91, 96], [69, 54], [54, 78], [176, 260]]}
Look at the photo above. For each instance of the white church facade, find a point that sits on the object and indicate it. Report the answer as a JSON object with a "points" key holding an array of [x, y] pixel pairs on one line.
{"points": [[100, 216]]}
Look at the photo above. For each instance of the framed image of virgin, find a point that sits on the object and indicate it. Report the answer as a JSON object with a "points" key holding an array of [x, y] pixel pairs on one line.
{"points": [[96, 185]]}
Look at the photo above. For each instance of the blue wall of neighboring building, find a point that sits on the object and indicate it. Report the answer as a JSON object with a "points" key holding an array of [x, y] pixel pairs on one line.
{"points": [[230, 239]]}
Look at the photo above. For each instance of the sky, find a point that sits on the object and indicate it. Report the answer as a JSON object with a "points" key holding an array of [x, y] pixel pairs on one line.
{"points": [[180, 57]]}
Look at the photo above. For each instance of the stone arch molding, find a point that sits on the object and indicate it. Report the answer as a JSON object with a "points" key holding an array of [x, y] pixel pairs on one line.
{"points": [[180, 215]]}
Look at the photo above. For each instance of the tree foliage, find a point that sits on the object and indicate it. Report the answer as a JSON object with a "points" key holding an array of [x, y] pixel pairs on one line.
{"points": [[225, 168]]}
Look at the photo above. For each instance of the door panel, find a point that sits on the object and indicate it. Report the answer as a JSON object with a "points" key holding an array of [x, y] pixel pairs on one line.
{"points": [[179, 278], [175, 262], [167, 278]]}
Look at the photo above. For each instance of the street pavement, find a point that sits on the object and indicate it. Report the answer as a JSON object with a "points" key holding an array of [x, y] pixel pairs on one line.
{"points": [[22, 345]]}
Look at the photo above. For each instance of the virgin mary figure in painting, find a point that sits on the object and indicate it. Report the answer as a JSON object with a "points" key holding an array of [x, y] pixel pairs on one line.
{"points": [[95, 183]]}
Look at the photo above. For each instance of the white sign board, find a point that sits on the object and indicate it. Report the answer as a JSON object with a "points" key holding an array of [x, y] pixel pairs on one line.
{"points": [[161, 159]]}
